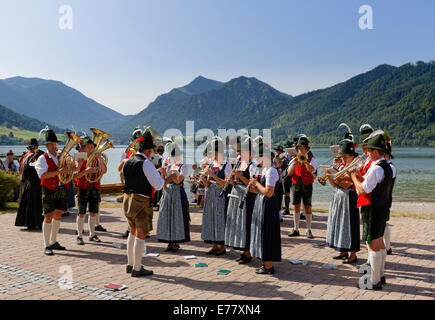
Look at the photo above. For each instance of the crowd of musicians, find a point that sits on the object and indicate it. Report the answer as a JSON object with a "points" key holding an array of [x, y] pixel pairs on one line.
{"points": [[241, 188]]}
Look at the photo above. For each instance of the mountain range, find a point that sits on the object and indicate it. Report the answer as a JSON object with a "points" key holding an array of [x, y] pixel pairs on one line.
{"points": [[400, 100]]}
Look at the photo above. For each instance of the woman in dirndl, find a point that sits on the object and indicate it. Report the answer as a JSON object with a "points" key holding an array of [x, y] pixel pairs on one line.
{"points": [[214, 216], [343, 230], [173, 222], [238, 225], [265, 226]]}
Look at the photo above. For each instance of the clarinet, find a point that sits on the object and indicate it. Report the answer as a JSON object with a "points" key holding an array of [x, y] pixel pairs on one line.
{"points": [[245, 196], [227, 183]]}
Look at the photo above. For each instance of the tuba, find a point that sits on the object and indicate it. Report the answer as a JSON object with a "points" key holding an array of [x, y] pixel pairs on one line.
{"points": [[97, 137], [66, 160]]}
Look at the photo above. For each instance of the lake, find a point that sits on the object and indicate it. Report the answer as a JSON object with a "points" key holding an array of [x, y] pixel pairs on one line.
{"points": [[415, 172]]}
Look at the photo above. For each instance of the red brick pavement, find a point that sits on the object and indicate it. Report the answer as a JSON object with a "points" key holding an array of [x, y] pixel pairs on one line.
{"points": [[409, 270]]}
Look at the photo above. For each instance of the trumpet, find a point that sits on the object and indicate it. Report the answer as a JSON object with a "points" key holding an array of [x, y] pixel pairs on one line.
{"points": [[301, 158], [97, 137], [66, 160]]}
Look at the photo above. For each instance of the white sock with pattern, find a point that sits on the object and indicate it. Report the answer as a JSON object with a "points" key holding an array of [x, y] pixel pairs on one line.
{"points": [[55, 225], [384, 257], [139, 245], [387, 236], [92, 225], [375, 265], [296, 219], [80, 225], [130, 249], [309, 219], [46, 231]]}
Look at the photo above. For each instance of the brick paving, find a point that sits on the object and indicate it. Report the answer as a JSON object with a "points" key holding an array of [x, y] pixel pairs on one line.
{"points": [[27, 274]]}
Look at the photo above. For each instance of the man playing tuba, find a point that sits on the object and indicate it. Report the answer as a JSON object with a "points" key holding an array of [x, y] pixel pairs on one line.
{"points": [[89, 192], [54, 193]]}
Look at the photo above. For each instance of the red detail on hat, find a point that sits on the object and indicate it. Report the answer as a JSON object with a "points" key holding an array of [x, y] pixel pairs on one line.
{"points": [[140, 139], [28, 142], [355, 145]]}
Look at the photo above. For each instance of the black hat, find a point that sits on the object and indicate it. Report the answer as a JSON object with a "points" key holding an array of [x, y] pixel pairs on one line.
{"points": [[144, 141], [50, 136], [10, 153], [304, 142], [364, 131], [33, 143], [376, 140], [347, 148], [279, 148]]}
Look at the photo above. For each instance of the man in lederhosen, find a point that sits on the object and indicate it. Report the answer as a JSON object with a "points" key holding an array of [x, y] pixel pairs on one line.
{"points": [[54, 193], [376, 185], [89, 193], [141, 179]]}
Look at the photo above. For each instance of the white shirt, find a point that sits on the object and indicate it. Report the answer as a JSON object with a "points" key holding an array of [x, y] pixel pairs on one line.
{"points": [[271, 175], [151, 173], [254, 171], [373, 177], [393, 168], [41, 165]]}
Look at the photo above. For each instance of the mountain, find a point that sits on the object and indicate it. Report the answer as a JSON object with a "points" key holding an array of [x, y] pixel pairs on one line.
{"points": [[400, 100], [54, 102], [207, 102]]}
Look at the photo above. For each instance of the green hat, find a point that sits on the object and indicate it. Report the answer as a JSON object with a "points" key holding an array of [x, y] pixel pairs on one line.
{"points": [[50, 136], [137, 132], [347, 148], [376, 140], [279, 148], [303, 142], [144, 141], [87, 140], [364, 131]]}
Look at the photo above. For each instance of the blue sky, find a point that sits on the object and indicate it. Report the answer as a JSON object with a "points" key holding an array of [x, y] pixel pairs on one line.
{"points": [[125, 53]]}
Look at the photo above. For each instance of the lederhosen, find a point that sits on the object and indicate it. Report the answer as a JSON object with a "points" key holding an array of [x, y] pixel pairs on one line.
{"points": [[173, 222], [138, 206], [374, 226], [265, 241], [215, 211], [54, 194], [88, 194], [238, 224]]}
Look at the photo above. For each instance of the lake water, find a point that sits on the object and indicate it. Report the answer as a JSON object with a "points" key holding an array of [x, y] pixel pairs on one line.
{"points": [[415, 178]]}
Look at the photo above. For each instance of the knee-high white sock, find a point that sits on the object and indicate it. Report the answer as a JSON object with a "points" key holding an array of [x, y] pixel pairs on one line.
{"points": [[296, 218], [55, 225], [130, 249], [309, 219], [80, 224], [139, 245], [92, 225], [387, 236], [383, 258], [46, 231], [375, 265], [98, 219]]}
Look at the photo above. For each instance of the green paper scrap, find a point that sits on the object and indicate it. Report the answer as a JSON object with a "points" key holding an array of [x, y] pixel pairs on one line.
{"points": [[223, 271], [318, 244], [201, 265]]}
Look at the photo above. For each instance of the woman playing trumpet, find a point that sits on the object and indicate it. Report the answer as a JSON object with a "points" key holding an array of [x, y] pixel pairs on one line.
{"points": [[343, 219]]}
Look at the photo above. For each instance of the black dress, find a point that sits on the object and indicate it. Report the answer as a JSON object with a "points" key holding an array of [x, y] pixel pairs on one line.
{"points": [[30, 210]]}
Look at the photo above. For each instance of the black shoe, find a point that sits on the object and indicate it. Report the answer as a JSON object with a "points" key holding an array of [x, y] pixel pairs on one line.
{"points": [[141, 273], [309, 234], [383, 281], [303, 217], [343, 256], [147, 236], [295, 233], [245, 260], [263, 270], [350, 262], [240, 258], [212, 251], [377, 286], [286, 213], [219, 253], [57, 246], [125, 235], [100, 228], [281, 220], [389, 251], [94, 238], [80, 241], [48, 251], [128, 269]]}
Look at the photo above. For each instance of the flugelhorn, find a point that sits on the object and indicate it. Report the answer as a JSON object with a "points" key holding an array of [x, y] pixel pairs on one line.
{"points": [[356, 164], [66, 160], [301, 158], [97, 137]]}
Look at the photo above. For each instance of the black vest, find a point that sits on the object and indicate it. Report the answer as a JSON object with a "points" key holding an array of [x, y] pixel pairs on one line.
{"points": [[135, 179], [381, 195]]}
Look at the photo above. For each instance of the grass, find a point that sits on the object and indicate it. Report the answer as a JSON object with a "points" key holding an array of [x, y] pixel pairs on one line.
{"points": [[24, 134], [10, 207], [412, 215]]}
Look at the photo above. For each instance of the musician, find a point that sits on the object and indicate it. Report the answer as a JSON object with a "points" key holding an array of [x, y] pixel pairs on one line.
{"points": [[279, 161], [265, 227], [215, 207], [284, 188], [343, 220], [376, 185], [387, 232], [141, 177], [54, 193], [30, 210], [89, 193], [238, 224], [125, 156], [302, 189], [173, 221]]}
